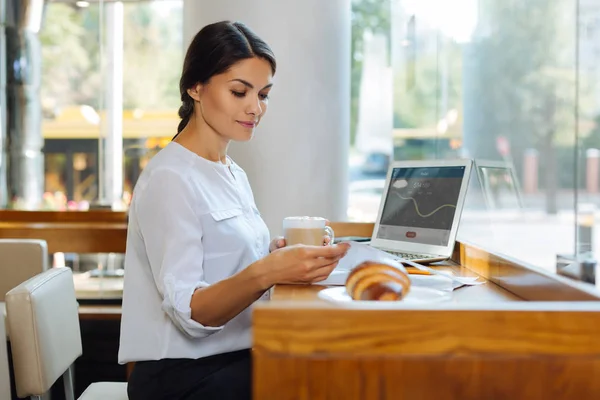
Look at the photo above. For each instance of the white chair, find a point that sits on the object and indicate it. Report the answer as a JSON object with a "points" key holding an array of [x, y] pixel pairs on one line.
{"points": [[45, 337], [20, 259], [4, 373]]}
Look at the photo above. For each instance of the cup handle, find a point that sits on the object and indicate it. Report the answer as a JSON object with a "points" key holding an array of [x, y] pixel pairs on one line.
{"points": [[330, 233]]}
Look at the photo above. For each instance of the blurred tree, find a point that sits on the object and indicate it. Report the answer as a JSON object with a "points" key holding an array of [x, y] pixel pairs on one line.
{"points": [[152, 62], [72, 63], [419, 104], [65, 60], [521, 82]]}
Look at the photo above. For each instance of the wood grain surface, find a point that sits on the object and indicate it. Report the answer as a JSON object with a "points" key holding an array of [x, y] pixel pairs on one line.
{"points": [[329, 353]]}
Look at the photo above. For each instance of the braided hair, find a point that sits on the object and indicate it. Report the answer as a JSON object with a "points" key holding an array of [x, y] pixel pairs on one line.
{"points": [[212, 52]]}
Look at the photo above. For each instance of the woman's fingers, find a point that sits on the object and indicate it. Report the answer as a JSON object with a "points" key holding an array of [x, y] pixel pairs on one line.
{"points": [[322, 262], [322, 273], [322, 270], [327, 251]]}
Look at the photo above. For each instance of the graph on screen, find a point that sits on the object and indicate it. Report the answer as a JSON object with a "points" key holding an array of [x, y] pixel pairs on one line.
{"points": [[418, 210], [422, 202]]}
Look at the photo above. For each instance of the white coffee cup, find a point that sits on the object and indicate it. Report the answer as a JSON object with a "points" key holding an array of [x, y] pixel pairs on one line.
{"points": [[306, 230]]}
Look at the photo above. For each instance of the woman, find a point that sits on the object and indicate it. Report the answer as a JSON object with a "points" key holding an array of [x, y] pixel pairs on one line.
{"points": [[198, 252]]}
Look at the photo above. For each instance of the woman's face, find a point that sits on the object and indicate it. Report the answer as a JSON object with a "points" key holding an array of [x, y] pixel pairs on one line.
{"points": [[233, 102]]}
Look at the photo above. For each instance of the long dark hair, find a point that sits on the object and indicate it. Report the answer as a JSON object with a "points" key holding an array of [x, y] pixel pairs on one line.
{"points": [[213, 51]]}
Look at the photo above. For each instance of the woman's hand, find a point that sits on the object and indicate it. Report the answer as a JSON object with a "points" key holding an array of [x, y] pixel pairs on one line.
{"points": [[279, 243], [299, 264]]}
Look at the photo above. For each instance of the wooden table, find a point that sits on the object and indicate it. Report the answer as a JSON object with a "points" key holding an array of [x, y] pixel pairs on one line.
{"points": [[488, 343], [68, 231], [466, 294], [100, 312]]}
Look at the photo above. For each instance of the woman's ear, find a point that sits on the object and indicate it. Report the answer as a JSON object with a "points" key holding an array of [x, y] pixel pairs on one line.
{"points": [[195, 92]]}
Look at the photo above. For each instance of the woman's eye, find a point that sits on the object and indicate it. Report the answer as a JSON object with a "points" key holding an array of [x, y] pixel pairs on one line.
{"points": [[263, 96], [238, 94]]}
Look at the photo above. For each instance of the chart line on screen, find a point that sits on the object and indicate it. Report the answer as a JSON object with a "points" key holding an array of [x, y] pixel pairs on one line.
{"points": [[419, 211]]}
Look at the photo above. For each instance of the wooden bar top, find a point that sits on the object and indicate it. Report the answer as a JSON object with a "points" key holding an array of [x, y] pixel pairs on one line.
{"points": [[524, 334], [485, 344], [340, 353], [488, 292]]}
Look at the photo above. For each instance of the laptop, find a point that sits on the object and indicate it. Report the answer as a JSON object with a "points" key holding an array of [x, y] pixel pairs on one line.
{"points": [[500, 185], [421, 208]]}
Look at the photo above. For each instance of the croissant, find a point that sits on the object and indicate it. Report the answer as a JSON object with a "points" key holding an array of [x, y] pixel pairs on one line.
{"points": [[372, 280]]}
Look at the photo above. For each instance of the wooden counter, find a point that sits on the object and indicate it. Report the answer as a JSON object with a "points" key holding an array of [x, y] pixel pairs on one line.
{"points": [[96, 231], [468, 294], [68, 231], [316, 352], [487, 343]]}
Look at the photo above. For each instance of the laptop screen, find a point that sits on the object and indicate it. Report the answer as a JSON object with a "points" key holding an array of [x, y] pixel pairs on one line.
{"points": [[420, 204]]}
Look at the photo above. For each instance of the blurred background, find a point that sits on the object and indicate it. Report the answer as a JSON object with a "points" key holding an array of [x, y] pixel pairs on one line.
{"points": [[90, 94]]}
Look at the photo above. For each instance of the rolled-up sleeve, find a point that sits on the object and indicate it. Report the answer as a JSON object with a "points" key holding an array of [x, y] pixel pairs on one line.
{"points": [[172, 233]]}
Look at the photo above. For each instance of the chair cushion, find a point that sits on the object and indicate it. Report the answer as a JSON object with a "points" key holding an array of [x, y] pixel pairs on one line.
{"points": [[105, 391], [44, 330]]}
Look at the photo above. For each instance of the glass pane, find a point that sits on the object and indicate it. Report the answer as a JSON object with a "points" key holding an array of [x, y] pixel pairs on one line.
{"points": [[150, 83], [371, 107], [72, 96], [495, 81], [519, 104], [588, 130], [76, 92]]}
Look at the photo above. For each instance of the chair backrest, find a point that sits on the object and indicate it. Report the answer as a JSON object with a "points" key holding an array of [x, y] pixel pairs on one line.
{"points": [[20, 259], [4, 374], [44, 325]]}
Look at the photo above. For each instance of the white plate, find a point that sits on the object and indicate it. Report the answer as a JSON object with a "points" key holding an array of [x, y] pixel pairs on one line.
{"points": [[338, 278], [416, 295]]}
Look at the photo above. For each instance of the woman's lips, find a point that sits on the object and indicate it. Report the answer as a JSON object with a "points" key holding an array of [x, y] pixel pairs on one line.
{"points": [[247, 124]]}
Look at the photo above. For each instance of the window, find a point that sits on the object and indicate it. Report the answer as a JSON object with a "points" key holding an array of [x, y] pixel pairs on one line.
{"points": [[76, 57], [371, 106], [515, 86]]}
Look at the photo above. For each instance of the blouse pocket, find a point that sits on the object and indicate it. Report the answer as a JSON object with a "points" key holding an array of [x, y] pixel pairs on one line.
{"points": [[222, 239], [226, 214]]}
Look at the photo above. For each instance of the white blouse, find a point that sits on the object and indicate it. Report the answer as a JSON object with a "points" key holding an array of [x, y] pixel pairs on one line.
{"points": [[192, 222]]}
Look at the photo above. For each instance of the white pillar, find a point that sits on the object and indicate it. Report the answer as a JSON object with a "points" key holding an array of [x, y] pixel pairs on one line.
{"points": [[298, 161]]}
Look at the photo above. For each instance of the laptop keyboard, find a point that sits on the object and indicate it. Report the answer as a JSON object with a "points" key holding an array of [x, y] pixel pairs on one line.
{"points": [[410, 256]]}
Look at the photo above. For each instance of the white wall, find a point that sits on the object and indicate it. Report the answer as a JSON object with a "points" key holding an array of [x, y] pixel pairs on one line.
{"points": [[298, 161]]}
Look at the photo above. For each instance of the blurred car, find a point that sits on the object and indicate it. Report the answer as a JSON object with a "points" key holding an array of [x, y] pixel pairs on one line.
{"points": [[376, 164]]}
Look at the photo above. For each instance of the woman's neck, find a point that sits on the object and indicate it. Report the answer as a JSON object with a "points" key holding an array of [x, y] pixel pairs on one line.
{"points": [[201, 139]]}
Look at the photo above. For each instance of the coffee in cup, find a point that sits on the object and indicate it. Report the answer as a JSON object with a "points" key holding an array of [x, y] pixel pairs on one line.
{"points": [[306, 230]]}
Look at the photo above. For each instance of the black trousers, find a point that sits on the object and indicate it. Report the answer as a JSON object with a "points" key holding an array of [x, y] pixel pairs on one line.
{"points": [[225, 376]]}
